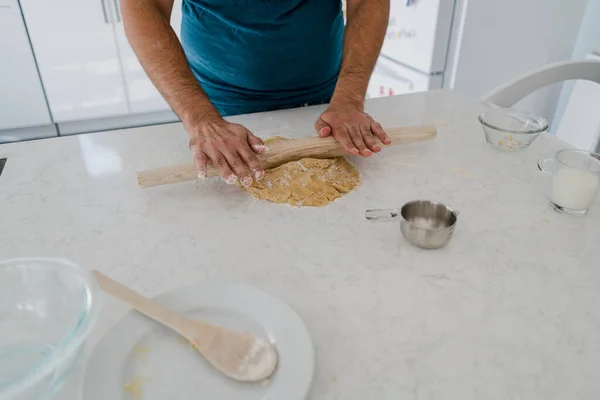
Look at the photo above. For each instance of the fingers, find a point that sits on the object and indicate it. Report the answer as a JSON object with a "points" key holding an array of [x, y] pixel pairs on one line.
{"points": [[242, 161], [231, 148], [357, 139], [355, 130], [378, 131], [221, 165], [368, 138], [252, 162], [322, 128], [250, 159], [256, 143], [200, 160], [342, 136], [239, 168]]}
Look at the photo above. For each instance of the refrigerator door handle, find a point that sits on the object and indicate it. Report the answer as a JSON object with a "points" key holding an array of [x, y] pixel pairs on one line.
{"points": [[117, 10], [404, 80], [407, 81], [385, 69], [104, 13]]}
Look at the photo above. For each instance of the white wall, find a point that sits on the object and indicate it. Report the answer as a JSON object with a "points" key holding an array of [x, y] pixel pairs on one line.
{"points": [[588, 41], [497, 40]]}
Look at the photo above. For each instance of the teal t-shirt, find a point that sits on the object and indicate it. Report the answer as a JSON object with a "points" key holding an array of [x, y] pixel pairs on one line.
{"points": [[259, 55]]}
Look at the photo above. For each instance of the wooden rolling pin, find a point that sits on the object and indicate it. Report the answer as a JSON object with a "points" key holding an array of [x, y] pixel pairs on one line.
{"points": [[282, 152]]}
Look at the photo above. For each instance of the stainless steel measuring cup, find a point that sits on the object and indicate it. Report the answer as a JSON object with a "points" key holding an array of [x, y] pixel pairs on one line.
{"points": [[424, 223]]}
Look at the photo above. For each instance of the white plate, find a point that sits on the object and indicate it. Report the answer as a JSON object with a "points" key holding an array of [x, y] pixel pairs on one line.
{"points": [[158, 364]]}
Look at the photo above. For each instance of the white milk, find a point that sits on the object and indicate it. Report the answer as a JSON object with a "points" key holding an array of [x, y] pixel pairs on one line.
{"points": [[574, 189]]}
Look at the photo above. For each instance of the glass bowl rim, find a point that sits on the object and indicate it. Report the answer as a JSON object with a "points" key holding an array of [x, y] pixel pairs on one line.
{"points": [[72, 341], [540, 120]]}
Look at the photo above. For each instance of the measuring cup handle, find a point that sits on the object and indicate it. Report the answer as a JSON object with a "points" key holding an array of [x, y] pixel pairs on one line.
{"points": [[545, 164], [388, 214]]}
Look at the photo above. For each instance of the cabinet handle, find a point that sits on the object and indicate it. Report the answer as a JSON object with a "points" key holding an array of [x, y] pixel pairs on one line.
{"points": [[117, 10], [104, 11]]}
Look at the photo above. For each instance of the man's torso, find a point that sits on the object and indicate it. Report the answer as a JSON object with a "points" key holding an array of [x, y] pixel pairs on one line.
{"points": [[256, 55]]}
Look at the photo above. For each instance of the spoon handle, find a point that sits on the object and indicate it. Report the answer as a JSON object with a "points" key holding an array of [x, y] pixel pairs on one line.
{"points": [[142, 304]]}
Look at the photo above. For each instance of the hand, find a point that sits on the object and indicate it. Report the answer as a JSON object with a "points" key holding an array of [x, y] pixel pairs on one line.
{"points": [[353, 128], [230, 148]]}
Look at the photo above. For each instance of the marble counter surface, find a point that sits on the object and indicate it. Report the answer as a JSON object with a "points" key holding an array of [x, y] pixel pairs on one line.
{"points": [[510, 309]]}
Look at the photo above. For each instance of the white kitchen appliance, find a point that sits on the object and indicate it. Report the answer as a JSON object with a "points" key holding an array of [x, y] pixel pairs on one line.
{"points": [[413, 56], [474, 45]]}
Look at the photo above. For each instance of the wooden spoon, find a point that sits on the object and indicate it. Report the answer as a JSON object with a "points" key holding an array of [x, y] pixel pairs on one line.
{"points": [[282, 152], [240, 356]]}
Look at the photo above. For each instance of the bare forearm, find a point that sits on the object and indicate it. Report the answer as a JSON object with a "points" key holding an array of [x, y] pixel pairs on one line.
{"points": [[157, 47], [363, 38]]}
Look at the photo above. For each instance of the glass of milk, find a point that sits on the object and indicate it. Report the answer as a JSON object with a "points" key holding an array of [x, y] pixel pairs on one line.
{"points": [[575, 180]]}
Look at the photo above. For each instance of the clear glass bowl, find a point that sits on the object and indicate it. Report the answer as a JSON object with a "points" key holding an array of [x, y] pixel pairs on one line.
{"points": [[511, 130], [47, 308]]}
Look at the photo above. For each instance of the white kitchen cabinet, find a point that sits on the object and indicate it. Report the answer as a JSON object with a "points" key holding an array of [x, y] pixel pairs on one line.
{"points": [[143, 96], [22, 101], [74, 42]]}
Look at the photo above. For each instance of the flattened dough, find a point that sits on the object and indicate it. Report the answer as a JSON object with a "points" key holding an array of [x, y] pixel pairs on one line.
{"points": [[309, 182]]}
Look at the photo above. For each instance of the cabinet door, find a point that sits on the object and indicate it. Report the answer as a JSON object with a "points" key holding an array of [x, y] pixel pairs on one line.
{"points": [[22, 102], [74, 42], [143, 96]]}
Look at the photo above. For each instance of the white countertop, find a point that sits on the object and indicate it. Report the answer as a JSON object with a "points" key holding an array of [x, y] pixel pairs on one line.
{"points": [[510, 309]]}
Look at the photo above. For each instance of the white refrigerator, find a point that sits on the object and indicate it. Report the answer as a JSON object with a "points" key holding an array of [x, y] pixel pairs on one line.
{"points": [[413, 56], [473, 46]]}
